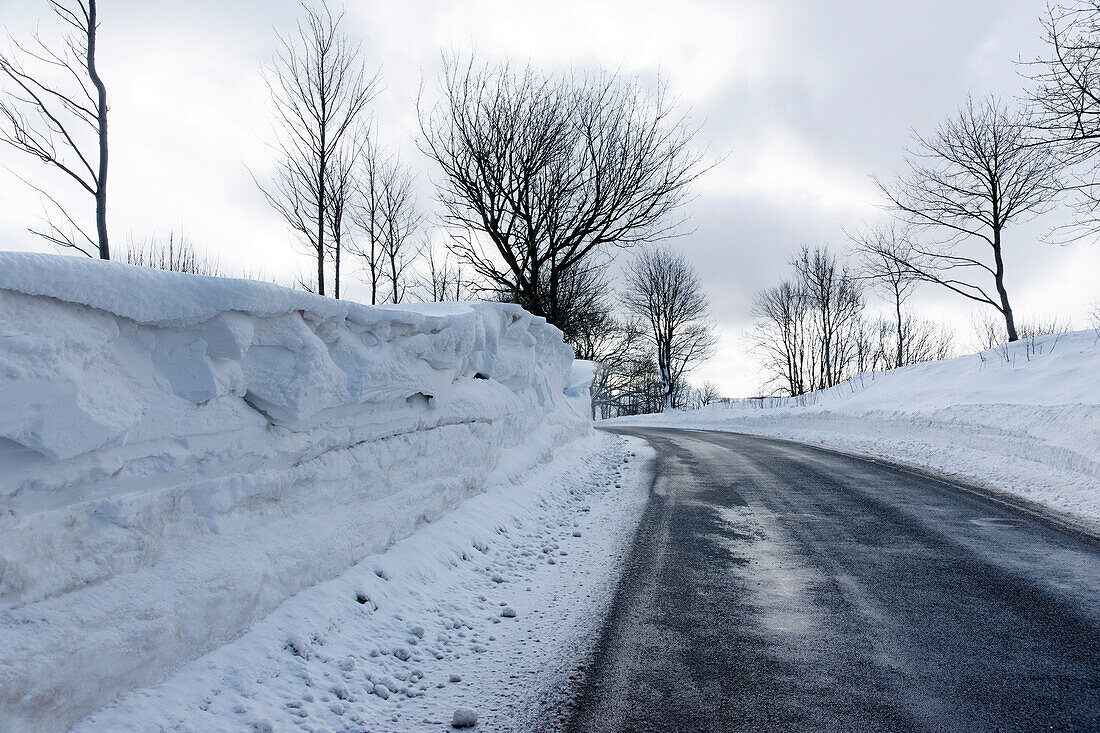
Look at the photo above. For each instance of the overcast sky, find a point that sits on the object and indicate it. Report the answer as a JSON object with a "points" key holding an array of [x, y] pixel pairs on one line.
{"points": [[807, 100]]}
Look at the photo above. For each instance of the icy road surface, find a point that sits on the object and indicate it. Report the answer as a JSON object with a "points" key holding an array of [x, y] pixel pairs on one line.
{"points": [[776, 586]]}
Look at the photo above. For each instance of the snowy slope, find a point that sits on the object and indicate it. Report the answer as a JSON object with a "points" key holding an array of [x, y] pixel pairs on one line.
{"points": [[1023, 419], [180, 454]]}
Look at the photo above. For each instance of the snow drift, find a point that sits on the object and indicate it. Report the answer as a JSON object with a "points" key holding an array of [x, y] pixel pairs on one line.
{"points": [[179, 454], [1023, 419]]}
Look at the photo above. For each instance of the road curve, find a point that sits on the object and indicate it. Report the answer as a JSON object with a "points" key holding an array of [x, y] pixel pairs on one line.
{"points": [[774, 586]]}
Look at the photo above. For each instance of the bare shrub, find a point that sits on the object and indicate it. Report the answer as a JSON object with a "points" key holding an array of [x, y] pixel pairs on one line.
{"points": [[176, 254]]}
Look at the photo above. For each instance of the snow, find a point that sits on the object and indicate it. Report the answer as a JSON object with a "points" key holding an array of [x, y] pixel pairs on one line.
{"points": [[179, 455], [464, 718], [402, 639], [1023, 420], [578, 387]]}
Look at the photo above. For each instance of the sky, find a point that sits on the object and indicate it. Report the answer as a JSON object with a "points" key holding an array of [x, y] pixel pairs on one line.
{"points": [[799, 104]]}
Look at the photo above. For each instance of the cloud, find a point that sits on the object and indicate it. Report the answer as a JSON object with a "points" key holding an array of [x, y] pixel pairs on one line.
{"points": [[808, 99], [785, 169], [702, 47]]}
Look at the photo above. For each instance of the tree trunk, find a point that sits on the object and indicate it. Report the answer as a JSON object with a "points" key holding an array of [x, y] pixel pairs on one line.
{"points": [[393, 277], [322, 170], [663, 366], [373, 260], [1006, 309], [101, 113], [901, 336], [336, 278]]}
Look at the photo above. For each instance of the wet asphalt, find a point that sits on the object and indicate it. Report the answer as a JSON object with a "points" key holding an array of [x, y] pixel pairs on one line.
{"points": [[773, 586]]}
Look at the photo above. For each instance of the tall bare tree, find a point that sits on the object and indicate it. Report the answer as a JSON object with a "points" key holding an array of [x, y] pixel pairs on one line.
{"points": [[540, 171], [810, 330], [400, 221], [340, 193], [368, 216], [835, 303], [783, 337], [319, 89], [883, 253], [663, 289], [588, 293], [1065, 98], [51, 119], [386, 220], [970, 180]]}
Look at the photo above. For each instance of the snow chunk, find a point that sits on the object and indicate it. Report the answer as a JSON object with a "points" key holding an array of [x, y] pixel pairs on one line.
{"points": [[464, 718]]}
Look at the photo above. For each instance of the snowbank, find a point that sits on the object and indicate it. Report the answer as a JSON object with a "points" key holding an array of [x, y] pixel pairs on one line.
{"points": [[1023, 419], [179, 454], [401, 640]]}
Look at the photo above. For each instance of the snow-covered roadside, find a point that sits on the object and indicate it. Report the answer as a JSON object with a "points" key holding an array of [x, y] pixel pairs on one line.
{"points": [[181, 454], [404, 638], [1022, 420]]}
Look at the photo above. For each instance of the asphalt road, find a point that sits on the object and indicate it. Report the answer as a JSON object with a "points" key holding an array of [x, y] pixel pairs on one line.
{"points": [[774, 587]]}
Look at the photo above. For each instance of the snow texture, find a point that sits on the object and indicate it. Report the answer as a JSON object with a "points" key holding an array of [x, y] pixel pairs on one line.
{"points": [[403, 639], [180, 454], [1022, 419]]}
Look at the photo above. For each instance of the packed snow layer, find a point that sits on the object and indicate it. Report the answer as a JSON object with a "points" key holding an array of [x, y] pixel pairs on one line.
{"points": [[402, 640], [180, 454], [1022, 419]]}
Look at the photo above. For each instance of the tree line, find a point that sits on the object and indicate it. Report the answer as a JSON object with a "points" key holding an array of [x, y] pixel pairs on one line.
{"points": [[541, 180], [984, 169]]}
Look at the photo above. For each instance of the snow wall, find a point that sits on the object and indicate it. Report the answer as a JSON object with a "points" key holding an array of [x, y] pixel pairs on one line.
{"points": [[179, 454]]}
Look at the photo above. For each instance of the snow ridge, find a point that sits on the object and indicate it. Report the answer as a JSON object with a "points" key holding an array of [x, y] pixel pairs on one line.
{"points": [[180, 454]]}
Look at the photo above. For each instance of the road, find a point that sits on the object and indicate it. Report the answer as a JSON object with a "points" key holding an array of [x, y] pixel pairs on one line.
{"points": [[774, 586]]}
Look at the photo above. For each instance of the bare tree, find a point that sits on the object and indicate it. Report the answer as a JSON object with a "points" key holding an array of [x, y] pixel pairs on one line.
{"points": [[626, 381], [584, 292], [541, 171], [400, 222], [884, 252], [924, 341], [971, 179], [708, 394], [783, 337], [811, 331], [1065, 98], [386, 219], [368, 215], [319, 89], [835, 303], [51, 122], [442, 279], [595, 325], [664, 290], [341, 190], [987, 331], [616, 346]]}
